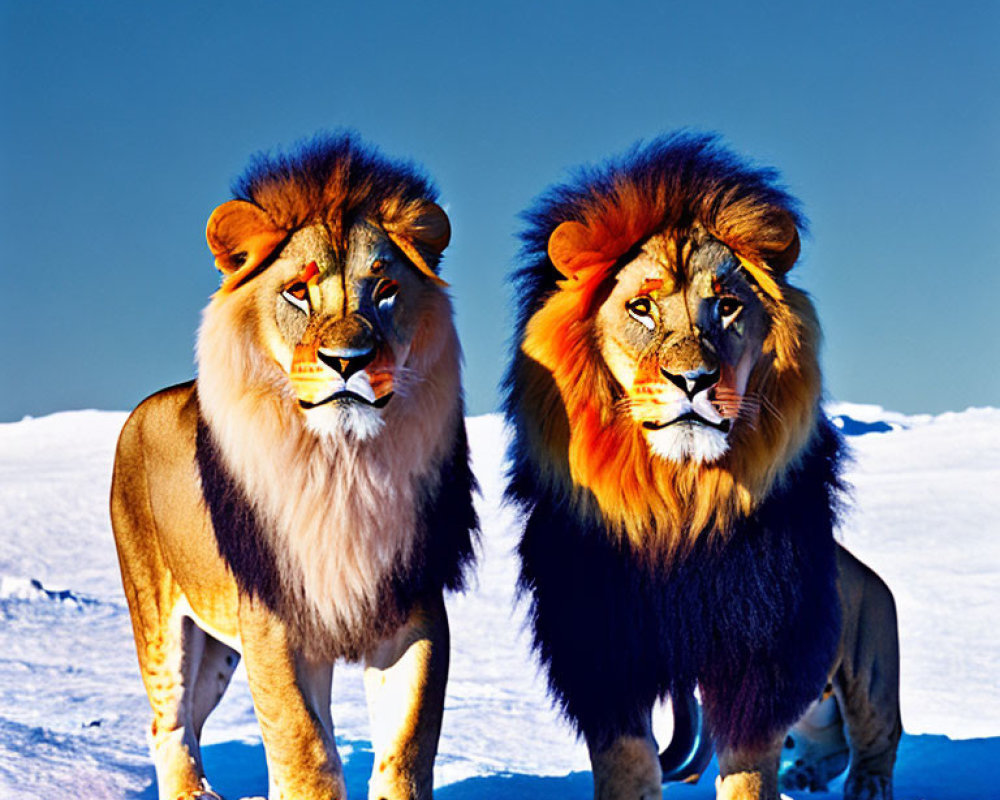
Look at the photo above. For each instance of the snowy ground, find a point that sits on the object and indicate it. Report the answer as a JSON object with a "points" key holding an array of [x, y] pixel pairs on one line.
{"points": [[73, 713]]}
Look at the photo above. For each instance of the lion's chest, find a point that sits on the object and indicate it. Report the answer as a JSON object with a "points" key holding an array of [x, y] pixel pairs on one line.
{"points": [[318, 543]]}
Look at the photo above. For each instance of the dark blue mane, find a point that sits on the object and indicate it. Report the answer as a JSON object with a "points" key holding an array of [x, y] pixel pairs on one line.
{"points": [[312, 162]]}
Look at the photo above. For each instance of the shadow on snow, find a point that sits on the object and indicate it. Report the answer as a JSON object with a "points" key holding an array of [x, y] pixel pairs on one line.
{"points": [[928, 766]]}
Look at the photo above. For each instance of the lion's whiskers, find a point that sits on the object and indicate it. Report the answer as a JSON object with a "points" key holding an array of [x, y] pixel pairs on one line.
{"points": [[772, 409], [744, 408], [405, 380], [650, 400], [727, 401]]}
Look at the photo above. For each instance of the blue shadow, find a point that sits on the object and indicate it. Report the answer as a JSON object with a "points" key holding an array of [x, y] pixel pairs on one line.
{"points": [[509, 785], [929, 766], [855, 427], [239, 769], [935, 766]]}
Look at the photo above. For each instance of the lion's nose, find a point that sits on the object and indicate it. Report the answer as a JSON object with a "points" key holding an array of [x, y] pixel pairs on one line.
{"points": [[693, 381], [346, 361]]}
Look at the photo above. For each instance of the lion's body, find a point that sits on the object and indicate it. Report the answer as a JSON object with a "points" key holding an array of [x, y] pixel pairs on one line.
{"points": [[308, 498], [650, 631], [679, 478]]}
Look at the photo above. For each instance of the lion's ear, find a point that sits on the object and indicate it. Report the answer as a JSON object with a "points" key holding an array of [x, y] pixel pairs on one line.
{"points": [[584, 251], [786, 258], [569, 248], [427, 229], [779, 241], [241, 236], [431, 228]]}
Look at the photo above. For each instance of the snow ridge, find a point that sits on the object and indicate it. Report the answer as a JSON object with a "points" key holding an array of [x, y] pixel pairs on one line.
{"points": [[73, 715]]}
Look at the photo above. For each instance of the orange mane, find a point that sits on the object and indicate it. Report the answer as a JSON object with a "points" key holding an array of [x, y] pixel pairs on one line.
{"points": [[332, 180], [562, 397]]}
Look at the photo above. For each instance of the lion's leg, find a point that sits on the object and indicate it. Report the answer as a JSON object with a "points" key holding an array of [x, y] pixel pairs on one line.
{"points": [[866, 680], [174, 733], [405, 680], [626, 767], [218, 662], [291, 696], [749, 773], [816, 749], [739, 707], [170, 663], [169, 647]]}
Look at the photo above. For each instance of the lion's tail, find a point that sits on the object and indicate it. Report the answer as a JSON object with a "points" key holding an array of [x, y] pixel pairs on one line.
{"points": [[690, 749]]}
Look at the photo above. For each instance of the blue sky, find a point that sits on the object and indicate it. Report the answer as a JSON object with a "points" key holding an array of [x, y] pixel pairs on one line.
{"points": [[123, 124]]}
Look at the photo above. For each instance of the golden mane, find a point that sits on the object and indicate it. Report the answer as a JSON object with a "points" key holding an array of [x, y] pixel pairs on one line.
{"points": [[564, 396], [333, 181]]}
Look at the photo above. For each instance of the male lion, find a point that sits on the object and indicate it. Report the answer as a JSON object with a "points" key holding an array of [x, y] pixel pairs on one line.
{"points": [[679, 479], [308, 498]]}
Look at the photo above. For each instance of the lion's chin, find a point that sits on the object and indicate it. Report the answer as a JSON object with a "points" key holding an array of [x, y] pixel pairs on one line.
{"points": [[337, 419], [687, 441]]}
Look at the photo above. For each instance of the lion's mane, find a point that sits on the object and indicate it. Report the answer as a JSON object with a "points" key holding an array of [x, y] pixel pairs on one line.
{"points": [[338, 536], [335, 180], [574, 442], [647, 576]]}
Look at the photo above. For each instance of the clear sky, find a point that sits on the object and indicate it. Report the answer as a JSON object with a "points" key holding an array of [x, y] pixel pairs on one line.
{"points": [[123, 124]]}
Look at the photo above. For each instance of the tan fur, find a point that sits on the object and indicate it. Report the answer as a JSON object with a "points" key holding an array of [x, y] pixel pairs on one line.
{"points": [[337, 509], [627, 768], [866, 722], [749, 775]]}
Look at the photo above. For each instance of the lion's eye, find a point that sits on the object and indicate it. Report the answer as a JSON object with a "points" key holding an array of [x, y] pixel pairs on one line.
{"points": [[641, 310], [378, 265], [729, 308], [385, 294], [298, 295]]}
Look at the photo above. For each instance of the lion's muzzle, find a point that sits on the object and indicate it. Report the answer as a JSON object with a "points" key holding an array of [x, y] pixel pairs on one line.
{"points": [[693, 382], [322, 375]]}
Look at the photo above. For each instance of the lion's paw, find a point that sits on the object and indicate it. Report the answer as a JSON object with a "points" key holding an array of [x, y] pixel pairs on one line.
{"points": [[812, 774], [867, 787]]}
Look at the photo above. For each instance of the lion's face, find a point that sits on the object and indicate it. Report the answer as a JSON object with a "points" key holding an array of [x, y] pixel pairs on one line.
{"points": [[681, 339], [335, 317], [342, 325]]}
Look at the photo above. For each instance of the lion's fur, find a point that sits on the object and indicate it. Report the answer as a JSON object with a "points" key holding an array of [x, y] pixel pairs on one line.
{"points": [[357, 504], [333, 181], [563, 411]]}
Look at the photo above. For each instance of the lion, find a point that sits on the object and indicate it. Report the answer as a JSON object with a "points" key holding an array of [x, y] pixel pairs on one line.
{"points": [[308, 497], [679, 480]]}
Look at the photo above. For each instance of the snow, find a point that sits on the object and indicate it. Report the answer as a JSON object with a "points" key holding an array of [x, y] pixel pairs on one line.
{"points": [[925, 514]]}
